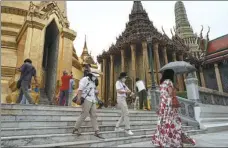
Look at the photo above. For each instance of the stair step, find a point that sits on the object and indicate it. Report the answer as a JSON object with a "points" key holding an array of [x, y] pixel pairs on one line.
{"points": [[66, 113], [114, 117], [52, 138], [112, 142], [64, 108], [43, 123], [68, 129]]}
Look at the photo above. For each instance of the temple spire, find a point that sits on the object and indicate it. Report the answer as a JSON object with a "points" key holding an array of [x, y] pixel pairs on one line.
{"points": [[85, 45], [137, 7], [85, 52], [183, 27]]}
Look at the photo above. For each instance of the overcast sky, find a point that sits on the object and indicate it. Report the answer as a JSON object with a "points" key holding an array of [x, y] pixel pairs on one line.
{"points": [[103, 21]]}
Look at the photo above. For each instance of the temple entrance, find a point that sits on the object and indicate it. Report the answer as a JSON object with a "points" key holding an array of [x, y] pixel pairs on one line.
{"points": [[49, 63]]}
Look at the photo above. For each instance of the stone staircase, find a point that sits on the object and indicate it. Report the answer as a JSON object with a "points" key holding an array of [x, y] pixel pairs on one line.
{"points": [[51, 126]]}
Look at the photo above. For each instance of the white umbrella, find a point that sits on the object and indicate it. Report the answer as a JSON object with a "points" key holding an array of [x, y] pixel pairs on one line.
{"points": [[179, 67]]}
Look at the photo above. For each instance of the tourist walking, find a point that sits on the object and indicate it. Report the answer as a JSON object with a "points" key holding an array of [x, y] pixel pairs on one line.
{"points": [[71, 91], [64, 89], [169, 132], [142, 93], [122, 91], [87, 69], [24, 83], [86, 90]]}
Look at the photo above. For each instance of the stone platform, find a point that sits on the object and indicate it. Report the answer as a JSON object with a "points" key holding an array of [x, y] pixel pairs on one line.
{"points": [[51, 126]]}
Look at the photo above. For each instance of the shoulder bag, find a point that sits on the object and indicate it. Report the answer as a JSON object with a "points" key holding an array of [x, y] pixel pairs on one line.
{"points": [[20, 80], [82, 98]]}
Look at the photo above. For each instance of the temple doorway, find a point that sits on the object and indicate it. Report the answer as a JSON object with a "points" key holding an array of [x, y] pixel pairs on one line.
{"points": [[49, 63]]}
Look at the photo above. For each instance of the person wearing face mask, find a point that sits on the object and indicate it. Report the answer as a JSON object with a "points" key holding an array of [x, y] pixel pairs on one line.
{"points": [[122, 91], [86, 90]]}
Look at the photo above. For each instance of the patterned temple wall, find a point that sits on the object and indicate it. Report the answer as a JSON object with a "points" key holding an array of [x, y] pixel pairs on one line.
{"points": [[210, 77], [223, 69]]}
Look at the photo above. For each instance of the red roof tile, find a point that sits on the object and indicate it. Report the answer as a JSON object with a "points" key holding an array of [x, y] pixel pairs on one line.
{"points": [[218, 44]]}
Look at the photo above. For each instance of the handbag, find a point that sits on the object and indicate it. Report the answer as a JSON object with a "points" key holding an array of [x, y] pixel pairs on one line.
{"points": [[82, 98], [20, 80], [175, 102]]}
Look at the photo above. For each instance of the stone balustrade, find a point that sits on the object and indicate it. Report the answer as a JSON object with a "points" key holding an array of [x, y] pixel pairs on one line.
{"points": [[186, 111], [212, 97]]}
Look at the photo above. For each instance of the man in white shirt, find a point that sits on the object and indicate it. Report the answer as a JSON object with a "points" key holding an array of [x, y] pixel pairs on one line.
{"points": [[142, 93], [122, 91], [86, 90]]}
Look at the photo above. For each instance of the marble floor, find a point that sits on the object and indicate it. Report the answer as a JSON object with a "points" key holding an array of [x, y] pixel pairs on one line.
{"points": [[219, 139]]}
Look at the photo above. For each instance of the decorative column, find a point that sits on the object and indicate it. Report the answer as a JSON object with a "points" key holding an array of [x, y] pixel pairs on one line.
{"points": [[164, 52], [152, 93], [157, 61], [218, 77], [174, 57], [104, 90], [133, 61], [122, 60], [202, 77], [111, 95], [180, 77], [145, 62], [192, 87]]}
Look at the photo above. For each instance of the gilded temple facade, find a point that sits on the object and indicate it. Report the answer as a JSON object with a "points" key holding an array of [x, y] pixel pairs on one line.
{"points": [[40, 31], [130, 54]]}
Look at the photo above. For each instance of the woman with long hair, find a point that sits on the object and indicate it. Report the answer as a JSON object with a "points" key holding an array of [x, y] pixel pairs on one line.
{"points": [[169, 132]]}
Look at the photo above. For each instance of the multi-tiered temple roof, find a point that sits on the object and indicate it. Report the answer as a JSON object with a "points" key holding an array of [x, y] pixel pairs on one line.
{"points": [[139, 28]]}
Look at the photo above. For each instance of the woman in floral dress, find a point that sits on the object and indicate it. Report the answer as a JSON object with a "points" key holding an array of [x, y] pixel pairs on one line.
{"points": [[169, 132]]}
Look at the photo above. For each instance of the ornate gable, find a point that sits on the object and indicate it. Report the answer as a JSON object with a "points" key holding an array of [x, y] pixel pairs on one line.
{"points": [[45, 9]]}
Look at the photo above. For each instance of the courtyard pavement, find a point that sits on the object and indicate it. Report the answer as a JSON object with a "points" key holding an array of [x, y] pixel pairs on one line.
{"points": [[219, 139]]}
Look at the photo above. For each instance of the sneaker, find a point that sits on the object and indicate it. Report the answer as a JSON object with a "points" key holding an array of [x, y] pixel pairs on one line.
{"points": [[129, 132], [98, 135], [75, 131], [118, 129]]}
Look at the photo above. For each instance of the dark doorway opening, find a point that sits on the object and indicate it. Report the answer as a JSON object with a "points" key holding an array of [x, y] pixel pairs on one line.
{"points": [[49, 63]]}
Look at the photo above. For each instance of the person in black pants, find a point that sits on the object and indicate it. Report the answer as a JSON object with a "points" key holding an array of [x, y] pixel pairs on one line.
{"points": [[142, 93]]}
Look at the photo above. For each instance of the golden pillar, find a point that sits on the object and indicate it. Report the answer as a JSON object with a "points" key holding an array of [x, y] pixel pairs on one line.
{"points": [[111, 95], [104, 82], [202, 77], [67, 37], [145, 63], [218, 77], [157, 61], [180, 77], [133, 62], [122, 60], [164, 52]]}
